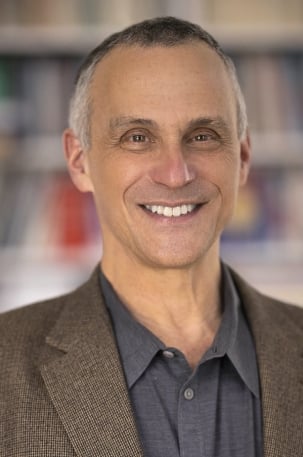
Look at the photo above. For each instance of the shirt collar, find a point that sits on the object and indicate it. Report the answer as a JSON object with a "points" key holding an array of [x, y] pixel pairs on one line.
{"points": [[234, 336], [138, 346]]}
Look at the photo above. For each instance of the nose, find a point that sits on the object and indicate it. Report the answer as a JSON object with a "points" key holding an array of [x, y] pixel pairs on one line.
{"points": [[172, 168]]}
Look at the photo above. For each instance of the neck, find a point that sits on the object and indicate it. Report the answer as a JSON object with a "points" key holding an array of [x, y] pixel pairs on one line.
{"points": [[181, 306]]}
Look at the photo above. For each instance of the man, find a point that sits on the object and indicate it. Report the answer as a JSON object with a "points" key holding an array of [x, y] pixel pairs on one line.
{"points": [[165, 351]]}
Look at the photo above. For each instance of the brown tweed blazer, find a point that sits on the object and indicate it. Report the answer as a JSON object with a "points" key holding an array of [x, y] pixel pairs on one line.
{"points": [[62, 389]]}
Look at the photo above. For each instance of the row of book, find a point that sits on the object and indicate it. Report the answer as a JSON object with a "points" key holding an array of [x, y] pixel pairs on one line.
{"points": [[273, 90], [46, 210], [75, 12], [34, 93], [39, 12], [269, 207]]}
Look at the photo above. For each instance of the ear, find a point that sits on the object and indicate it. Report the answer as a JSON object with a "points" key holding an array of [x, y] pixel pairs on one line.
{"points": [[77, 161], [245, 158]]}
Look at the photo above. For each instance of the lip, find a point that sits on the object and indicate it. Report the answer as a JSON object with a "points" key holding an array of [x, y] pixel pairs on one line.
{"points": [[171, 204]]}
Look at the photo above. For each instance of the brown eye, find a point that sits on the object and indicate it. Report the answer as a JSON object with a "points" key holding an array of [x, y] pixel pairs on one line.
{"points": [[137, 141], [138, 138], [203, 141], [202, 137]]}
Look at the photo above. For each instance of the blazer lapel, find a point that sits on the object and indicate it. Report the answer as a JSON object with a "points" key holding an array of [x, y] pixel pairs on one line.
{"points": [[83, 375], [277, 338]]}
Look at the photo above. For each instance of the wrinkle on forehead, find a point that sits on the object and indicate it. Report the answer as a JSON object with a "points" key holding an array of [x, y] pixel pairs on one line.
{"points": [[217, 123]]}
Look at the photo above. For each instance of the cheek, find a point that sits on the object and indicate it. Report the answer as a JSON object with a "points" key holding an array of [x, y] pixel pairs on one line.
{"points": [[225, 177], [229, 188], [223, 173], [230, 195], [111, 181]]}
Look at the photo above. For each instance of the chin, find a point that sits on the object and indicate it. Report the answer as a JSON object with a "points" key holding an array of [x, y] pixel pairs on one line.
{"points": [[178, 261]]}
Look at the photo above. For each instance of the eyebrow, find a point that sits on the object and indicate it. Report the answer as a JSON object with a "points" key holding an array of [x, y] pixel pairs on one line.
{"points": [[217, 122], [125, 121]]}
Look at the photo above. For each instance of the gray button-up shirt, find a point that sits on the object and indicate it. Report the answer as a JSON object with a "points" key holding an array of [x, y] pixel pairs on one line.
{"points": [[213, 411]]}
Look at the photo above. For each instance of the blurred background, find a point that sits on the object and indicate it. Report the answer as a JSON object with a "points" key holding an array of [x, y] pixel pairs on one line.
{"points": [[49, 236]]}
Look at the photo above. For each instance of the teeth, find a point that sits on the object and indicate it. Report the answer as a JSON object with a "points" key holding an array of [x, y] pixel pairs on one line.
{"points": [[183, 209], [170, 211], [176, 211]]}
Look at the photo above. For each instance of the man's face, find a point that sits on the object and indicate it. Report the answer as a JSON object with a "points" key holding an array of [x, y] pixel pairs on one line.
{"points": [[165, 162]]}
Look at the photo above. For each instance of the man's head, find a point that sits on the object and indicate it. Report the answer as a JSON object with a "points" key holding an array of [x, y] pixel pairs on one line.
{"points": [[167, 32], [160, 140]]}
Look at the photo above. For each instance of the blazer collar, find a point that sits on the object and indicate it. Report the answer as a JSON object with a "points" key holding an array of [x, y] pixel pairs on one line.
{"points": [[82, 372], [277, 337]]}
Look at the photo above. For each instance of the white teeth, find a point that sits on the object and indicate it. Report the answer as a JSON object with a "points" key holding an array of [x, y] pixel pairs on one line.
{"points": [[170, 211], [183, 209], [176, 211]]}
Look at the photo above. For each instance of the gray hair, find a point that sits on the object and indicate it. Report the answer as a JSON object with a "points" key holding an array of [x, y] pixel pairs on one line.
{"points": [[163, 31]]}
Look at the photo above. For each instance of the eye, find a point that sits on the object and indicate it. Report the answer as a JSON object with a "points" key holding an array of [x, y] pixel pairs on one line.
{"points": [[203, 140], [203, 137], [136, 140]]}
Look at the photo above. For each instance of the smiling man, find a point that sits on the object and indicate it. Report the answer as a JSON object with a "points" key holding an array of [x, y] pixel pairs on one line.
{"points": [[165, 351]]}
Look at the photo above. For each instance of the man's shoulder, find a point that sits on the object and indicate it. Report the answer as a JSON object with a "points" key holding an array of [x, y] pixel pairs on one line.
{"points": [[282, 313], [23, 332], [39, 317], [30, 322], [263, 308]]}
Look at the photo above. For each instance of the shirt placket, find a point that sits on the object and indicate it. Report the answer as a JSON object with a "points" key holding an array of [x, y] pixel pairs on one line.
{"points": [[190, 436]]}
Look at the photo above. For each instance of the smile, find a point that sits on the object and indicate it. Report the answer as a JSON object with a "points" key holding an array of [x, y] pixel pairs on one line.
{"points": [[171, 211]]}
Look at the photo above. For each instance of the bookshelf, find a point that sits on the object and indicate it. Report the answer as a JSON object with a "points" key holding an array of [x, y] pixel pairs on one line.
{"points": [[77, 40], [49, 236]]}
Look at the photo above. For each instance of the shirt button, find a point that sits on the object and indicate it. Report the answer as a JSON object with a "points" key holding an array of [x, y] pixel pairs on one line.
{"points": [[189, 394], [168, 354]]}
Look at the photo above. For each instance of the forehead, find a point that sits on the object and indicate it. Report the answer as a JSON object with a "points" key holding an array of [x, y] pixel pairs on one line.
{"points": [[161, 78]]}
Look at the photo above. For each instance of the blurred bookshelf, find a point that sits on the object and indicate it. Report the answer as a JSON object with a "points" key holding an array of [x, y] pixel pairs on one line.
{"points": [[49, 235]]}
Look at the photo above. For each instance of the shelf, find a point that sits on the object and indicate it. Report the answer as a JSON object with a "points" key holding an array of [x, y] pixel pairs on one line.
{"points": [[38, 153], [278, 149], [259, 37], [28, 275], [78, 40], [268, 253], [287, 254], [24, 258], [44, 153], [274, 268], [71, 40], [281, 281], [28, 283]]}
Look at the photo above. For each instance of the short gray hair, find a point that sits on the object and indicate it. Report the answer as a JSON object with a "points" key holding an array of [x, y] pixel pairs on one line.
{"points": [[162, 31]]}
